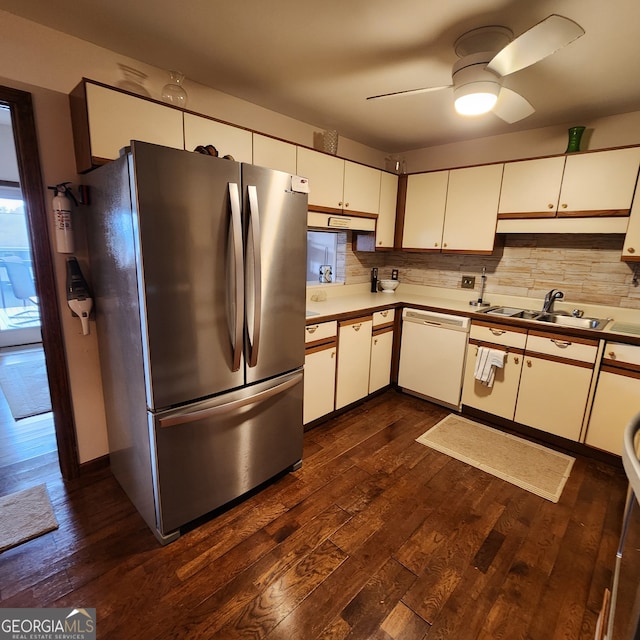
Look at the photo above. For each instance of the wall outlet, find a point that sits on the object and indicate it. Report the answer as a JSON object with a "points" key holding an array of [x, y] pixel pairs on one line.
{"points": [[468, 282]]}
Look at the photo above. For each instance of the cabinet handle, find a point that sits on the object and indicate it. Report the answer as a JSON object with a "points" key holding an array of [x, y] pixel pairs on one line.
{"points": [[379, 242], [445, 244], [563, 205], [339, 204], [356, 327], [346, 205], [312, 328], [435, 244], [631, 250], [497, 332], [563, 344], [333, 354], [384, 314], [528, 363], [550, 205], [375, 341], [516, 359], [612, 355]]}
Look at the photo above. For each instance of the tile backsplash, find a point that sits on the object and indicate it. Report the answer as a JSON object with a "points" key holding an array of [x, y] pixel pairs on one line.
{"points": [[587, 267]]}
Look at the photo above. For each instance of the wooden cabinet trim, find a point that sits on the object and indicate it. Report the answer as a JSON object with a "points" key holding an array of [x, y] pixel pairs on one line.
{"points": [[596, 213], [314, 347], [494, 345], [551, 358], [358, 320], [551, 213], [622, 371], [619, 364], [383, 328]]}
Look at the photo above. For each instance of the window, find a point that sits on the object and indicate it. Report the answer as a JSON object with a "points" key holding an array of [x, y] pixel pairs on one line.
{"points": [[325, 257]]}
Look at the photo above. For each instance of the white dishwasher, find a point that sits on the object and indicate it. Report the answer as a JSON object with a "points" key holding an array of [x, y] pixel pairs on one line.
{"points": [[432, 354]]}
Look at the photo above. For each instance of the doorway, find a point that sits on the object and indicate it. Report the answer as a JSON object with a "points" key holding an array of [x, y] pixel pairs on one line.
{"points": [[39, 314]]}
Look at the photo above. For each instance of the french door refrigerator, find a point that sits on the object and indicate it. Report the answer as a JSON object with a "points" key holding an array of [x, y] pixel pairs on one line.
{"points": [[198, 269]]}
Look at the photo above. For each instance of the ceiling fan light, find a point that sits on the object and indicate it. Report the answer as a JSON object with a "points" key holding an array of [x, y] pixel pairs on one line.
{"points": [[476, 98]]}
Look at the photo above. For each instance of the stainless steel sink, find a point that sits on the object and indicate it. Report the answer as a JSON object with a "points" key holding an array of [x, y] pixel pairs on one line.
{"points": [[512, 312], [561, 318], [571, 321]]}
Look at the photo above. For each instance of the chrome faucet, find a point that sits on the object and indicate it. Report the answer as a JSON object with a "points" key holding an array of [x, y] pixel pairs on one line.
{"points": [[550, 298]]}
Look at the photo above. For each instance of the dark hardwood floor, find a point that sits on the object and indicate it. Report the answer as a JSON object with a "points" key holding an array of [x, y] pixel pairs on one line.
{"points": [[376, 537]]}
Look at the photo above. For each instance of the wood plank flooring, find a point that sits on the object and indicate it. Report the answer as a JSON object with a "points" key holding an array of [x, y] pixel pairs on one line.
{"points": [[376, 537]]}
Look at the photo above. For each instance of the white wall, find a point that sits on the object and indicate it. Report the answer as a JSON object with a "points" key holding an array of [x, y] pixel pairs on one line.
{"points": [[601, 133]]}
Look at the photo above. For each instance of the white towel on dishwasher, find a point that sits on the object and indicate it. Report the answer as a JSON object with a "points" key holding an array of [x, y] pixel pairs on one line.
{"points": [[486, 362]]}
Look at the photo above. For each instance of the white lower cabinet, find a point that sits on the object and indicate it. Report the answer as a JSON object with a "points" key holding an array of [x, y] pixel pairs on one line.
{"points": [[354, 357], [500, 398], [555, 383], [380, 367], [319, 370], [319, 382], [617, 397]]}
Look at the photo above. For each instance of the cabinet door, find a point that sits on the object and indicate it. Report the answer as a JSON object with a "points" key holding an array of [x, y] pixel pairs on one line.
{"points": [[326, 177], [531, 188], [274, 154], [117, 118], [380, 369], [553, 396], [228, 140], [600, 183], [615, 403], [631, 247], [361, 188], [499, 399], [386, 225], [354, 353], [471, 213], [424, 210], [319, 383]]}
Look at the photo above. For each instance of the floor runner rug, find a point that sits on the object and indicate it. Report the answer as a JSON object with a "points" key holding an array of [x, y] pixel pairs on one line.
{"points": [[26, 388], [25, 515], [526, 464]]}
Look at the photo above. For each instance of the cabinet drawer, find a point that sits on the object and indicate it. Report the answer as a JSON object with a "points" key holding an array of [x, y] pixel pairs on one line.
{"points": [[619, 353], [565, 347], [498, 334], [321, 331], [383, 317]]}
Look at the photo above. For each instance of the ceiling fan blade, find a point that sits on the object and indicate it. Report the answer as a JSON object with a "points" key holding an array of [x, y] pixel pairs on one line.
{"points": [[511, 106], [408, 92], [537, 43]]}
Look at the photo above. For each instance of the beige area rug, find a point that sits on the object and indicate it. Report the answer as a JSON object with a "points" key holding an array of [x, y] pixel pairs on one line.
{"points": [[526, 464], [25, 386], [25, 515]]}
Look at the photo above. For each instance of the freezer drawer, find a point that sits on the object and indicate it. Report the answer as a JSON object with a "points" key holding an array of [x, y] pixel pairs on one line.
{"points": [[211, 452]]}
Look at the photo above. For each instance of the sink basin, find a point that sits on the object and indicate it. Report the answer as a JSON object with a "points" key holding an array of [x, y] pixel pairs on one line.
{"points": [[512, 312], [571, 321], [560, 318]]}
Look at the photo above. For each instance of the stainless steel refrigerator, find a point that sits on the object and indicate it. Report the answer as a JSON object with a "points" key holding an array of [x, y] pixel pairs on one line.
{"points": [[198, 275]]}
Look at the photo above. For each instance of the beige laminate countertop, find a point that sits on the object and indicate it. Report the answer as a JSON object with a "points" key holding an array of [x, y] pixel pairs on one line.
{"points": [[349, 300]]}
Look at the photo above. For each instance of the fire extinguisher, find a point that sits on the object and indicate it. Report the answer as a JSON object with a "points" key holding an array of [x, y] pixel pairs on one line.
{"points": [[61, 203]]}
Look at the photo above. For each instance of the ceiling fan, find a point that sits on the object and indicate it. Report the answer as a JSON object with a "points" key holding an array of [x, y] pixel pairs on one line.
{"points": [[487, 55]]}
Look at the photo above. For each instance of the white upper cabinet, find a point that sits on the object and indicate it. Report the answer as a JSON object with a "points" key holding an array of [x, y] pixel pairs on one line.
{"points": [[338, 184], [227, 140], [274, 154], [386, 224], [424, 210], [600, 183], [472, 209], [361, 188], [106, 120], [531, 188], [453, 210], [631, 247], [326, 177]]}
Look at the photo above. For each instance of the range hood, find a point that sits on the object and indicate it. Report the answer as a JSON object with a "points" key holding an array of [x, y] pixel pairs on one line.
{"points": [[339, 222]]}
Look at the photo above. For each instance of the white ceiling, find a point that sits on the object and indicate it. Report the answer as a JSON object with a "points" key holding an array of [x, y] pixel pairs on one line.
{"points": [[318, 61]]}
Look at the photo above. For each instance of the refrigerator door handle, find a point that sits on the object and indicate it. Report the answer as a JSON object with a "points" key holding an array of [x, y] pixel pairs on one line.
{"points": [[254, 222], [238, 284], [222, 409]]}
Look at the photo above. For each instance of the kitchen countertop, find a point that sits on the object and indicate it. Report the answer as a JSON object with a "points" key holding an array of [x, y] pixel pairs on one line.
{"points": [[342, 301]]}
